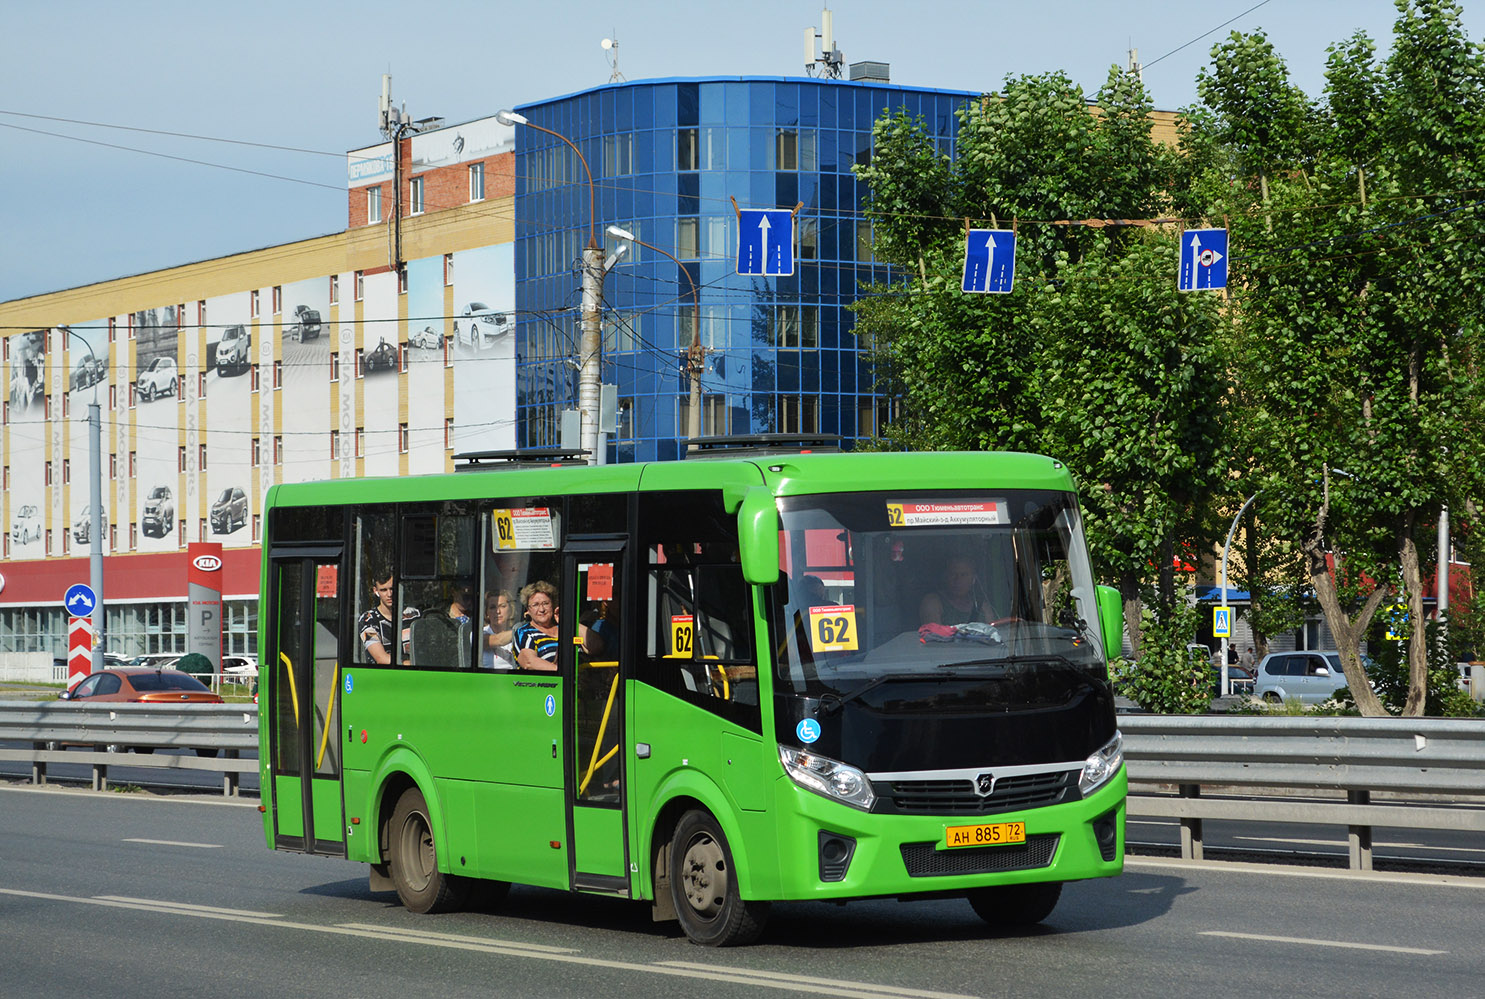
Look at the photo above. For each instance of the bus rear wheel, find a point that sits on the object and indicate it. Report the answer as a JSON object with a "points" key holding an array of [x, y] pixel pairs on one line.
{"points": [[413, 859], [703, 886], [1016, 905]]}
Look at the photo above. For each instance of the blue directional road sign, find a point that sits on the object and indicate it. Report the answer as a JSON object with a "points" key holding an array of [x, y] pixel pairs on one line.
{"points": [[1203, 260], [765, 242], [990, 261], [80, 600]]}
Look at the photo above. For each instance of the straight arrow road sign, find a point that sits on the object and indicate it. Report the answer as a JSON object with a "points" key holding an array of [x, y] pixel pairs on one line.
{"points": [[765, 242], [1203, 260], [989, 261]]}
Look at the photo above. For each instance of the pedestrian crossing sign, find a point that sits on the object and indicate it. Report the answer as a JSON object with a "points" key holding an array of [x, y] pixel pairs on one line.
{"points": [[1221, 622]]}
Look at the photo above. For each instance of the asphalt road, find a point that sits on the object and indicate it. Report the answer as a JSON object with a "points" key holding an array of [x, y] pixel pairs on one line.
{"points": [[132, 895]]}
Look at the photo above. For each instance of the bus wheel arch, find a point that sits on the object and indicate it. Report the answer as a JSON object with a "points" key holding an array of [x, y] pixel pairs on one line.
{"points": [[704, 886]]}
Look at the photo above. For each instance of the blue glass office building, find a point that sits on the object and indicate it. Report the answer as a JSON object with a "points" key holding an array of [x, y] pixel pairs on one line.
{"points": [[669, 158]]}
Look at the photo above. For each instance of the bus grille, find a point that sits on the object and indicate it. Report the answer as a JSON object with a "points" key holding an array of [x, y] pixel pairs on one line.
{"points": [[957, 797], [924, 861]]}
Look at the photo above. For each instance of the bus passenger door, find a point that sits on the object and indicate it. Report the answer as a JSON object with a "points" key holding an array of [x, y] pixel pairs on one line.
{"points": [[304, 704], [594, 580]]}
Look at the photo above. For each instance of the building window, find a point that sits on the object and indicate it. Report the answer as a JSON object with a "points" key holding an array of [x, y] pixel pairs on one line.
{"points": [[253, 378], [48, 473], [278, 449], [66, 406], [334, 445], [131, 326], [415, 196], [66, 541], [373, 205], [618, 154], [201, 530], [402, 353], [448, 432], [448, 270], [809, 239], [686, 246], [360, 441], [335, 367], [113, 397], [133, 465], [201, 455], [133, 536], [402, 280], [278, 299], [798, 415], [48, 542], [796, 327], [402, 437], [113, 469], [113, 329], [864, 252], [180, 526], [201, 313], [360, 358], [360, 284], [201, 385], [253, 303], [66, 471], [795, 150], [180, 461], [278, 374], [476, 182], [334, 289], [257, 455], [257, 526], [113, 537]]}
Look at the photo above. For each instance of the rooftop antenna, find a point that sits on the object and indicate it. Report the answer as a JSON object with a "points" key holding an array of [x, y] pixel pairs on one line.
{"points": [[611, 46], [1135, 69], [831, 59]]}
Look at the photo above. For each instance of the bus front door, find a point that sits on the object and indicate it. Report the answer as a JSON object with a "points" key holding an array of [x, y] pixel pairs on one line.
{"points": [[304, 705], [594, 580]]}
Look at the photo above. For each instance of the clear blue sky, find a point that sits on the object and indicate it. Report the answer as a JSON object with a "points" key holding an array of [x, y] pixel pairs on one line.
{"points": [[308, 75]]}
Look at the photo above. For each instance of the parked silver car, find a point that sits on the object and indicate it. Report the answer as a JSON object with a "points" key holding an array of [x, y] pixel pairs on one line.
{"points": [[1306, 676]]}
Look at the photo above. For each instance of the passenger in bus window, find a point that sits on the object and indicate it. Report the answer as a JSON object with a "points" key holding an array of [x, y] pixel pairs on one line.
{"points": [[959, 598], [376, 629], [535, 639], [498, 630]]}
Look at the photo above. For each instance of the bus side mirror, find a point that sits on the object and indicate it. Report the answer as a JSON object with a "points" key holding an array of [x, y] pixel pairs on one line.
{"points": [[1111, 620], [758, 536]]}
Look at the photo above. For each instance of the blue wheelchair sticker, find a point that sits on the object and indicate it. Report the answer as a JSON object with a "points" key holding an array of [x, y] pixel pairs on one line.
{"points": [[807, 730], [349, 683], [551, 705]]}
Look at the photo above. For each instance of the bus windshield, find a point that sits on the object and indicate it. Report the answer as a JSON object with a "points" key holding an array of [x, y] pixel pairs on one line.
{"points": [[915, 588]]}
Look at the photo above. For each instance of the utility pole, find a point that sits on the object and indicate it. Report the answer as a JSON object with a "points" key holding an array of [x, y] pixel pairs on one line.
{"points": [[95, 509], [589, 347]]}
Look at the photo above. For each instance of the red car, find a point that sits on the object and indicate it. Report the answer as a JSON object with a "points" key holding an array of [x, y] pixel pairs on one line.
{"points": [[141, 686]]}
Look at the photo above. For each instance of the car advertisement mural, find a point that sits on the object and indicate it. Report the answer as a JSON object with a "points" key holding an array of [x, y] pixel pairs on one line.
{"points": [[26, 499], [158, 448], [230, 342], [483, 331], [379, 382], [304, 406]]}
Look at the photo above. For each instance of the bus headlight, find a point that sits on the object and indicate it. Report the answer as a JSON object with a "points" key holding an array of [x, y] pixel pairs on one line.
{"points": [[827, 777], [1102, 765]]}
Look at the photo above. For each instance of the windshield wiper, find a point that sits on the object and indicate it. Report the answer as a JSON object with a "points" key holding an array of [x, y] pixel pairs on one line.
{"points": [[1049, 659], [831, 703]]}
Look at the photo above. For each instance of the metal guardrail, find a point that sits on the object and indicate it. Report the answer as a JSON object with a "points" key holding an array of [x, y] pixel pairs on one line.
{"points": [[225, 730], [1439, 762]]}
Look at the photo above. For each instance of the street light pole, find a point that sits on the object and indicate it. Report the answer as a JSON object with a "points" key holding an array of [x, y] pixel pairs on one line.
{"points": [[590, 345], [95, 509], [696, 355], [1226, 683]]}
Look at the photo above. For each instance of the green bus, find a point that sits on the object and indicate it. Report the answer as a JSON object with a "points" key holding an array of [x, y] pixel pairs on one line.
{"points": [[763, 673]]}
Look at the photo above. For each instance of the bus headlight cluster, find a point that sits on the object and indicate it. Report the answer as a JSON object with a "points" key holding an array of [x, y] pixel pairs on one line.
{"points": [[1102, 765], [827, 777]]}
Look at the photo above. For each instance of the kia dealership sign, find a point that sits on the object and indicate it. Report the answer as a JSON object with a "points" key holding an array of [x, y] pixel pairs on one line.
{"points": [[207, 563], [204, 621]]}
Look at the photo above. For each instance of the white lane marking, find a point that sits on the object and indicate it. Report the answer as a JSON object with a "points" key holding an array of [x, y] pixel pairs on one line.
{"points": [[171, 842], [1285, 871], [415, 935], [1306, 942], [845, 990], [885, 989], [188, 907]]}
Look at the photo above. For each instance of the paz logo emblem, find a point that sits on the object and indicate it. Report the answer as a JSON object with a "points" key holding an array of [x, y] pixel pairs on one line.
{"points": [[984, 784]]}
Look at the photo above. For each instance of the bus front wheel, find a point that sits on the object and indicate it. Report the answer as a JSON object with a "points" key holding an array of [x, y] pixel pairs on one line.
{"points": [[703, 886], [413, 859], [1016, 905]]}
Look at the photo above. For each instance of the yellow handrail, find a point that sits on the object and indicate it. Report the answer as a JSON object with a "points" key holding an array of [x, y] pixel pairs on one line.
{"points": [[329, 707], [293, 693], [594, 763]]}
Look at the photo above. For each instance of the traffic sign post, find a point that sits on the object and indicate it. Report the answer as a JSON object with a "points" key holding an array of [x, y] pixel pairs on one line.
{"points": [[79, 600], [1221, 622], [1203, 260], [765, 242], [989, 261]]}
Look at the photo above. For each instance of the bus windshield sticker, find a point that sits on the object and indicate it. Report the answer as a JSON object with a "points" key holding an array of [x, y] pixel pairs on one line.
{"points": [[601, 581], [807, 730], [682, 632], [833, 628], [983, 511], [523, 529]]}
